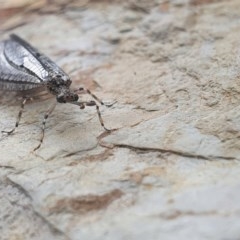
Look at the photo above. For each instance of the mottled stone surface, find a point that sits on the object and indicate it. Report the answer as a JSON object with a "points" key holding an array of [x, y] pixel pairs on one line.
{"points": [[170, 169]]}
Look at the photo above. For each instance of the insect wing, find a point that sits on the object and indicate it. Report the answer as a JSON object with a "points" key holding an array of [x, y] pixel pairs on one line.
{"points": [[23, 67], [22, 59], [12, 78], [45, 66]]}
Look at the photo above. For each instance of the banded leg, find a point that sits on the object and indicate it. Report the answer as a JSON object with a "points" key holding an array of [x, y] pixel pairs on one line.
{"points": [[19, 116], [90, 104], [87, 91], [46, 115]]}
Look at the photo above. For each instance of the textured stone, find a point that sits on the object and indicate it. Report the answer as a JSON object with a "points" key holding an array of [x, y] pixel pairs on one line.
{"points": [[170, 167]]}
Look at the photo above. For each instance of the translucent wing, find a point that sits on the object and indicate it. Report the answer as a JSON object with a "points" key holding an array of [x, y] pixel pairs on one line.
{"points": [[12, 78], [46, 67], [20, 58], [22, 67]]}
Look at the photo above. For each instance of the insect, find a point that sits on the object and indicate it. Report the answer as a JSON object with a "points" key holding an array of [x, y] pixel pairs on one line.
{"points": [[23, 68]]}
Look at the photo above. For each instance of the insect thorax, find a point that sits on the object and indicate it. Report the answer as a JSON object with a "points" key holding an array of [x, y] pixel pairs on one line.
{"points": [[56, 82], [59, 87]]}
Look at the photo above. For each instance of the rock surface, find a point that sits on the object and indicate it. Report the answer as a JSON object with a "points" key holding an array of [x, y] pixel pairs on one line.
{"points": [[171, 168]]}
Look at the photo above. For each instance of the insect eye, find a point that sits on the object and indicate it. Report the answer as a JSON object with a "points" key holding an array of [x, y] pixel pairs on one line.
{"points": [[61, 99], [68, 83], [75, 97]]}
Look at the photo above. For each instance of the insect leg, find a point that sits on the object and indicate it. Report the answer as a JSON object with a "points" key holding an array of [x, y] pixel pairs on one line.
{"points": [[46, 115], [92, 103], [87, 91], [25, 99]]}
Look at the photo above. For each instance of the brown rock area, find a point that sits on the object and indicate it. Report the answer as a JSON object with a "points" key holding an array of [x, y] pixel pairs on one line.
{"points": [[170, 169]]}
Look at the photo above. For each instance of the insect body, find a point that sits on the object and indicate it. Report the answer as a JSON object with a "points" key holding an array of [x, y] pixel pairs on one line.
{"points": [[23, 67]]}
